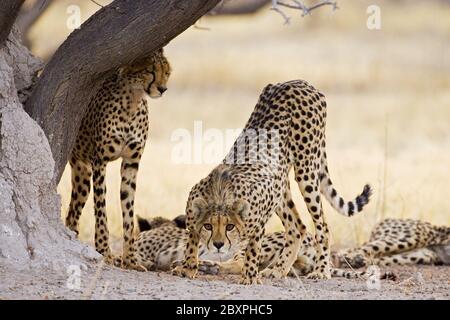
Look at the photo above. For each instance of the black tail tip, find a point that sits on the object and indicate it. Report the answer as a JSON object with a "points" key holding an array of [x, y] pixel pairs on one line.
{"points": [[367, 191], [364, 197]]}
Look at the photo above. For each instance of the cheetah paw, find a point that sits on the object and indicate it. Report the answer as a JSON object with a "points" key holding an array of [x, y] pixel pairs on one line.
{"points": [[274, 273], [131, 265], [250, 280], [112, 260], [355, 261], [136, 267], [184, 272], [209, 267], [316, 275]]}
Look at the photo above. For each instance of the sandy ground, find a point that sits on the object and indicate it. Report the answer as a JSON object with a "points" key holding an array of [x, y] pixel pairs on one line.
{"points": [[105, 282]]}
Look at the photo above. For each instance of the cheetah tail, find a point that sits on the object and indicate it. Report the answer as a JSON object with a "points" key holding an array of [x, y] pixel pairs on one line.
{"points": [[339, 204], [349, 274], [353, 274]]}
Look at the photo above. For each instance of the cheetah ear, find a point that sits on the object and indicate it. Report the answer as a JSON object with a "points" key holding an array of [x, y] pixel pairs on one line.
{"points": [[121, 71], [199, 212], [180, 221], [241, 208], [198, 207], [143, 224]]}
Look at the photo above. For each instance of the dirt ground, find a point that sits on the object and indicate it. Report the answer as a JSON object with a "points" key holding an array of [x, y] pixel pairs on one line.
{"points": [[105, 282]]}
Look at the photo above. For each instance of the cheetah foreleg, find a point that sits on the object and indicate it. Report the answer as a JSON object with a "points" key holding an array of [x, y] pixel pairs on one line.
{"points": [[101, 222], [189, 267], [129, 170], [249, 273]]}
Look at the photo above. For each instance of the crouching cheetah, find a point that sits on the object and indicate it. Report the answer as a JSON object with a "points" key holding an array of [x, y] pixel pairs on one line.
{"points": [[115, 126], [286, 130], [400, 242], [161, 242]]}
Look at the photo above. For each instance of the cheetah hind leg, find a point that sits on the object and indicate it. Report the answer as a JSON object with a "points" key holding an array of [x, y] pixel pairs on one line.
{"points": [[418, 256], [295, 232], [310, 190]]}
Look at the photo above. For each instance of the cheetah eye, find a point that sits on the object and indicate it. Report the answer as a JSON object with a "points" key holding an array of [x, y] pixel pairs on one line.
{"points": [[230, 227], [208, 226]]}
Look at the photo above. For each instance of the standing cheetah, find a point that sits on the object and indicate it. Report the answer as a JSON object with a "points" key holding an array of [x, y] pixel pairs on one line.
{"points": [[115, 126], [253, 182], [400, 242]]}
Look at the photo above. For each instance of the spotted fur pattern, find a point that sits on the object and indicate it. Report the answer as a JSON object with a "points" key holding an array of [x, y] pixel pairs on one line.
{"points": [[244, 191], [161, 244], [115, 126], [400, 242]]}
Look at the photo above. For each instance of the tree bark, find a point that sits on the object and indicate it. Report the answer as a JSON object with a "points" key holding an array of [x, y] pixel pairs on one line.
{"points": [[124, 31], [31, 232], [8, 14]]}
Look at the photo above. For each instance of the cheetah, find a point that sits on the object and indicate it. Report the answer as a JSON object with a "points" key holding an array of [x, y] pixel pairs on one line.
{"points": [[160, 245], [115, 126], [156, 222], [400, 242], [286, 130]]}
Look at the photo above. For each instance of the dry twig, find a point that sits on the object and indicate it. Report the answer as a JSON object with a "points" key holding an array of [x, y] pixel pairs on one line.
{"points": [[298, 5]]}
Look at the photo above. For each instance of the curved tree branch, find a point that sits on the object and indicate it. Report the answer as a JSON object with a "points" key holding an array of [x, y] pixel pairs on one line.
{"points": [[8, 14], [116, 35]]}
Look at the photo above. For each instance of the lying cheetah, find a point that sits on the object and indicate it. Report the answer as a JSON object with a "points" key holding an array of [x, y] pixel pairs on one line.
{"points": [[286, 130], [400, 242], [161, 245], [161, 242], [115, 126], [158, 249]]}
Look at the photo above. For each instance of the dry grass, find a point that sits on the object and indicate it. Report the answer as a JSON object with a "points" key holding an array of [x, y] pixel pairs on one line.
{"points": [[396, 78]]}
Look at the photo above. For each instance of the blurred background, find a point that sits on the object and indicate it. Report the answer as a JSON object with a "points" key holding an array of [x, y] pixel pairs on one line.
{"points": [[388, 94]]}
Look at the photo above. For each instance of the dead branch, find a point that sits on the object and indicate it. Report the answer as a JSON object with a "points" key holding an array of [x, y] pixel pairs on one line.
{"points": [[298, 5]]}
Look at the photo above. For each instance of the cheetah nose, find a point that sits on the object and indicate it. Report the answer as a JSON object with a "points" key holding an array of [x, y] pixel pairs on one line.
{"points": [[218, 244], [162, 89]]}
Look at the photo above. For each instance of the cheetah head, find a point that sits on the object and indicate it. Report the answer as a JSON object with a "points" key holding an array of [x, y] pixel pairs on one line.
{"points": [[221, 226], [145, 224], [154, 70], [161, 72]]}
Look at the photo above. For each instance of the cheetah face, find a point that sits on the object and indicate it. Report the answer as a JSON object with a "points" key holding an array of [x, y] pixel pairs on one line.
{"points": [[153, 72], [220, 226], [160, 72]]}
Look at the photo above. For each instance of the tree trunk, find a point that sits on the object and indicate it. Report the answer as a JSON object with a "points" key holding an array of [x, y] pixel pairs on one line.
{"points": [[31, 232], [8, 13], [116, 35], [30, 222]]}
